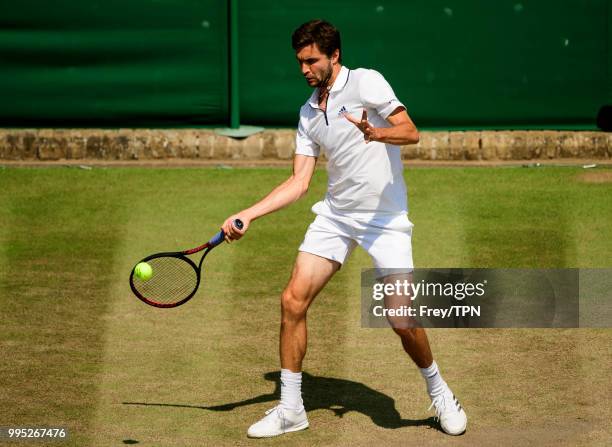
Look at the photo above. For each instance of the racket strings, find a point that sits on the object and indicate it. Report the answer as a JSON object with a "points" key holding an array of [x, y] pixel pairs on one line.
{"points": [[173, 280]]}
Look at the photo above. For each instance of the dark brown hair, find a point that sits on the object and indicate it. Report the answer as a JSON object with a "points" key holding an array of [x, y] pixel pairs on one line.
{"points": [[323, 33]]}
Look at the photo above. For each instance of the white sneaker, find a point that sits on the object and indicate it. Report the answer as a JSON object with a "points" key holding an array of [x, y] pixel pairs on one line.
{"points": [[277, 421], [453, 419]]}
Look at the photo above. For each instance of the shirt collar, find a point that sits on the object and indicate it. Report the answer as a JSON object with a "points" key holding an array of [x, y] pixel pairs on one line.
{"points": [[339, 84]]}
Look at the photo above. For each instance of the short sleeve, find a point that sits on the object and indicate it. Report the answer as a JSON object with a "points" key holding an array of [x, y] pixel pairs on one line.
{"points": [[304, 145], [376, 93]]}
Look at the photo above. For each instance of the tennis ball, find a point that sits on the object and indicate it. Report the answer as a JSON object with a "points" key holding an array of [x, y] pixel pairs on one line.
{"points": [[143, 271]]}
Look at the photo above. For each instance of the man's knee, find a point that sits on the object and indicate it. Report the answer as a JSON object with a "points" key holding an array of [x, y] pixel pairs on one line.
{"points": [[293, 304], [407, 334]]}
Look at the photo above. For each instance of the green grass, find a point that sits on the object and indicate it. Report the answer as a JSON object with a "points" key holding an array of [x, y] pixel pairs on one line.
{"points": [[78, 350]]}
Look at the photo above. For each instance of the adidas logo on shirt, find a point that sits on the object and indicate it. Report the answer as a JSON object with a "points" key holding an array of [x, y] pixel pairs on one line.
{"points": [[342, 111]]}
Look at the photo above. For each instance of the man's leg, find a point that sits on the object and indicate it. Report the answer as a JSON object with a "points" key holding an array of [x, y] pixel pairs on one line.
{"points": [[416, 345], [414, 341], [391, 248], [309, 276]]}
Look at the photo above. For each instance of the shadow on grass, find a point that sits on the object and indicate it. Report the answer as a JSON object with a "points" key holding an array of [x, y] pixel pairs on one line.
{"points": [[338, 395]]}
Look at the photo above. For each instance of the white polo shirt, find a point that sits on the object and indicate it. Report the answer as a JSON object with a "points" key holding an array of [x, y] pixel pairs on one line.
{"points": [[365, 181]]}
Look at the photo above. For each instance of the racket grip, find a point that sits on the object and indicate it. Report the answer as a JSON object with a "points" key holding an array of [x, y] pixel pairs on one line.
{"points": [[220, 236], [217, 239]]}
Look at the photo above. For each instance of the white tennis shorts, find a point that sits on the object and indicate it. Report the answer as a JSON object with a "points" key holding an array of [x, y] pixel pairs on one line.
{"points": [[387, 241]]}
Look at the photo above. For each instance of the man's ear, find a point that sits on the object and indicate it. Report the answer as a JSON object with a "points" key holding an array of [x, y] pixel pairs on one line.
{"points": [[335, 56]]}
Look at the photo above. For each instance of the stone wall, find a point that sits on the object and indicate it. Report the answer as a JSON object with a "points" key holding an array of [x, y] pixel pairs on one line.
{"points": [[279, 144]]}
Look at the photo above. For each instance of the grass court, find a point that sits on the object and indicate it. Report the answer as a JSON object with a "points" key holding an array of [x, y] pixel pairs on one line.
{"points": [[78, 350]]}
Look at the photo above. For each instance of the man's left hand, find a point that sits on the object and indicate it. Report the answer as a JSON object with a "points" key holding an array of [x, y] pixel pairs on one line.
{"points": [[370, 133]]}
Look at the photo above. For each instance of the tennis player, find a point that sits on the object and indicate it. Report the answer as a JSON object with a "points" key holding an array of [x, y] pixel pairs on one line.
{"points": [[356, 119]]}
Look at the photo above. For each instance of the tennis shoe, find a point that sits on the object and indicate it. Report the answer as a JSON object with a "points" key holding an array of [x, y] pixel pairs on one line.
{"points": [[452, 417], [277, 421]]}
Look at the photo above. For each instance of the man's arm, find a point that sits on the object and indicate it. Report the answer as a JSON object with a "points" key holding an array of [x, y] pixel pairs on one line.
{"points": [[283, 195], [402, 130]]}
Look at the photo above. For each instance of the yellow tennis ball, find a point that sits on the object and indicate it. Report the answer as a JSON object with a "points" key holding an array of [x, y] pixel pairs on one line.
{"points": [[143, 271]]}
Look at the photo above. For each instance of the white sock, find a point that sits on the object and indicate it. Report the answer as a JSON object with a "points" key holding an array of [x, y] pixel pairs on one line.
{"points": [[435, 383], [291, 390]]}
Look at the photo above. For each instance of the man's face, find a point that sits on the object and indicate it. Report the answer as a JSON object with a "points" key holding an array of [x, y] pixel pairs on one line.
{"points": [[315, 66]]}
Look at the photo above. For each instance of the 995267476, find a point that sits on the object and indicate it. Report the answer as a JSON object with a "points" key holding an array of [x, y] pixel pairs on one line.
{"points": [[33, 433]]}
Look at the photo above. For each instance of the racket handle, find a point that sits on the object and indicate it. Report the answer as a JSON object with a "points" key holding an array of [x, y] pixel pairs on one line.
{"points": [[220, 236]]}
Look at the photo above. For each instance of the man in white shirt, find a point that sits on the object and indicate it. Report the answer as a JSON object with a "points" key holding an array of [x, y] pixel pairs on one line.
{"points": [[365, 204]]}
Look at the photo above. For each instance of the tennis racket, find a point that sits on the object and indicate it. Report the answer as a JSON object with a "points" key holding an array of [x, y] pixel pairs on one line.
{"points": [[175, 277]]}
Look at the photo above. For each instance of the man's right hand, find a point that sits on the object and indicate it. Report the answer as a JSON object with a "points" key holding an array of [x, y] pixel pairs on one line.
{"points": [[230, 230]]}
